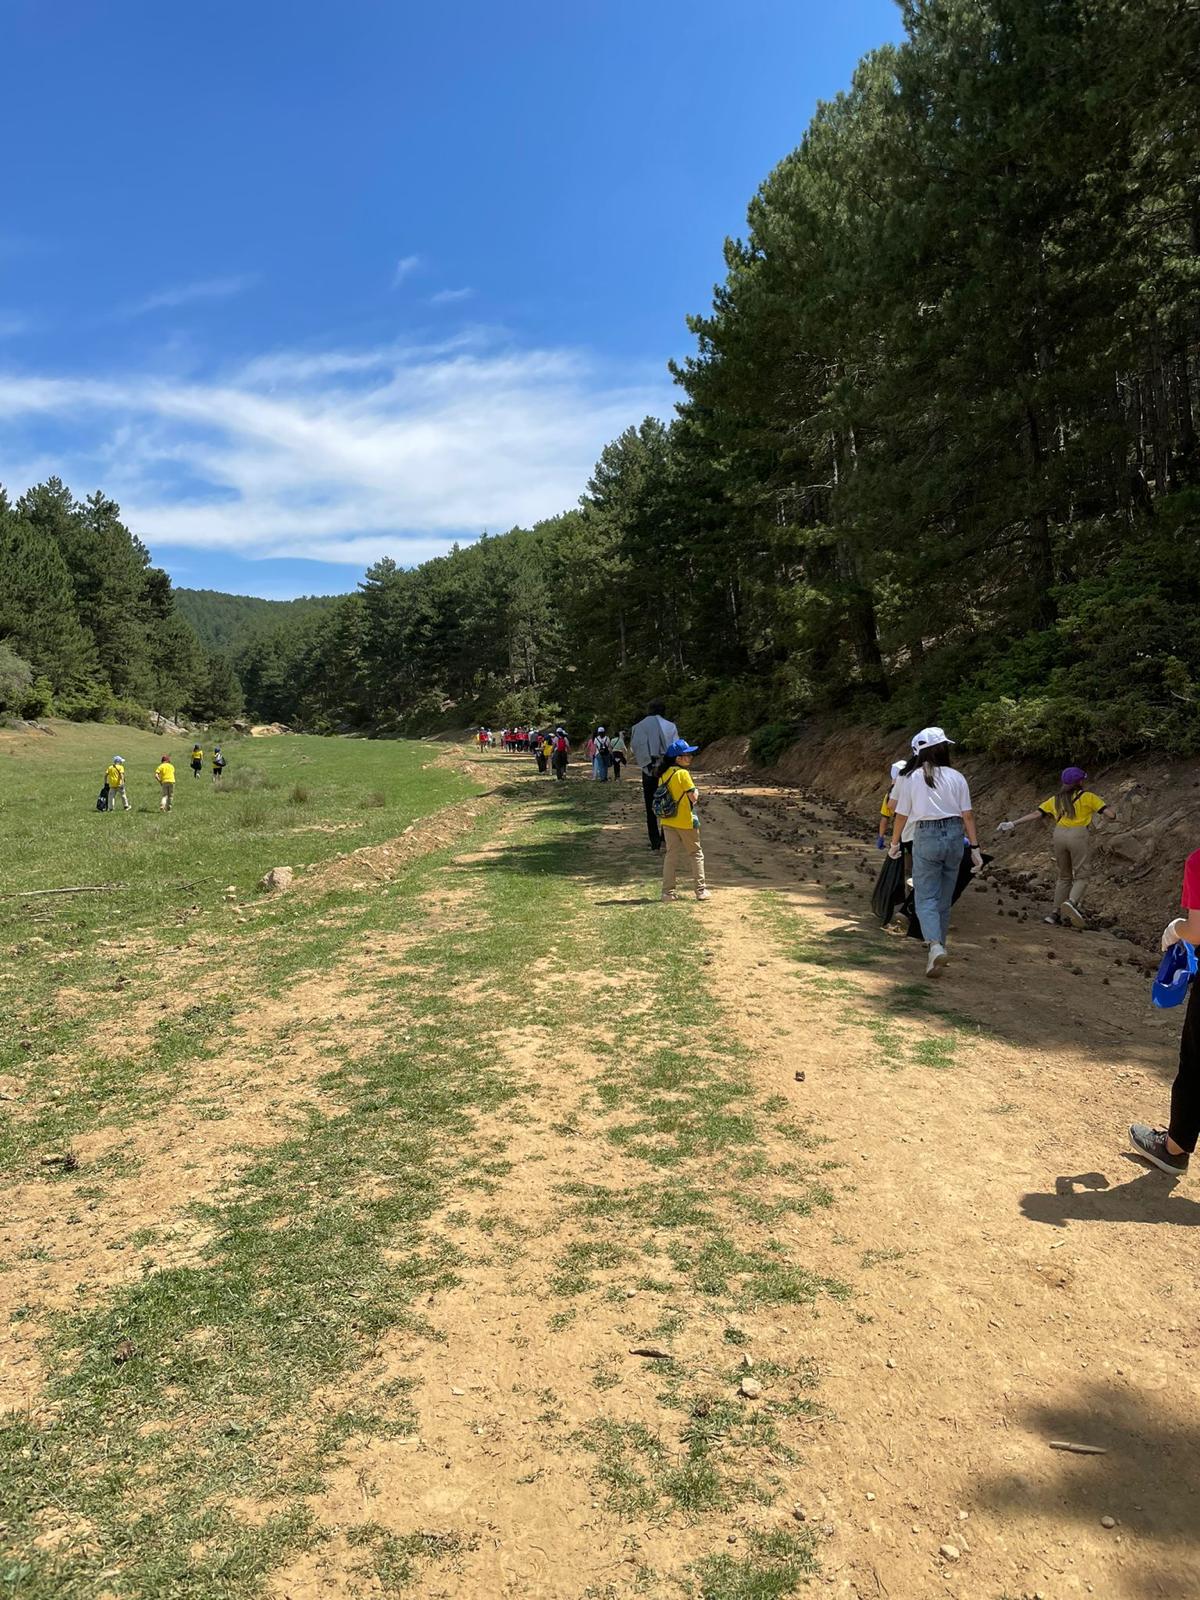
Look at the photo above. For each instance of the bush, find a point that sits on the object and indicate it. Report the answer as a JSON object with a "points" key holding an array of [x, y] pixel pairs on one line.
{"points": [[375, 800], [298, 796], [253, 814], [99, 704], [769, 742], [16, 679]]}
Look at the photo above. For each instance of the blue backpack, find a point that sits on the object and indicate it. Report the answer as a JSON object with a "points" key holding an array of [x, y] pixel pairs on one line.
{"points": [[664, 804]]}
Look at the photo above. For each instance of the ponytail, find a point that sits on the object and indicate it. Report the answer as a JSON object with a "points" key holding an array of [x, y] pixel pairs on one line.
{"points": [[1064, 801]]}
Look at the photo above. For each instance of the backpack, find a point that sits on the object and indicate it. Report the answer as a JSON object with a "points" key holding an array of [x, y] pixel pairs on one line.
{"points": [[560, 746], [664, 804]]}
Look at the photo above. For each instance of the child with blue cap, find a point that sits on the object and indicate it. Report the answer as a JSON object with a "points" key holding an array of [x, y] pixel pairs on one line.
{"points": [[675, 801], [1170, 1148]]}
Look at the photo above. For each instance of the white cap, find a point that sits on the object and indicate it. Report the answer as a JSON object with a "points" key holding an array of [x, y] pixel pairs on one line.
{"points": [[897, 769], [928, 737]]}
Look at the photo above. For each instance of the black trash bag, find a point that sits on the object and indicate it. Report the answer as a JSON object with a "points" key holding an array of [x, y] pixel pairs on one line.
{"points": [[889, 890], [965, 874], [102, 799]]}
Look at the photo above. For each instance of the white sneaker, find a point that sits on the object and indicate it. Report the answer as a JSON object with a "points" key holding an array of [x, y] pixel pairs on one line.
{"points": [[703, 894], [937, 960]]}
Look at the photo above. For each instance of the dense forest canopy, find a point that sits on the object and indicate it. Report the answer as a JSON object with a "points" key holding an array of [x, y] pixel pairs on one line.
{"points": [[88, 628], [934, 457], [228, 621]]}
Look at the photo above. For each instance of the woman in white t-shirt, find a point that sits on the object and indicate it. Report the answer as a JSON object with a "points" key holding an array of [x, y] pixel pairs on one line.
{"points": [[933, 799]]}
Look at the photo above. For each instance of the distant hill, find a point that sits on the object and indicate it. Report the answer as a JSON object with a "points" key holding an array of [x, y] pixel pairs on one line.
{"points": [[227, 621]]}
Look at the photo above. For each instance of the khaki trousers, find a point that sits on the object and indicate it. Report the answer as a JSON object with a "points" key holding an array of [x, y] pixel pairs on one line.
{"points": [[683, 846], [1072, 848]]}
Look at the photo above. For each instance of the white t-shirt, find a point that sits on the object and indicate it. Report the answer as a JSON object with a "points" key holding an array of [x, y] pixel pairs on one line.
{"points": [[949, 797]]}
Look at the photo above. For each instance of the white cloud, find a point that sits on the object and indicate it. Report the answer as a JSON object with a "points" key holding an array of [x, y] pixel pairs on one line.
{"points": [[337, 455], [184, 294], [447, 297], [14, 324], [405, 268]]}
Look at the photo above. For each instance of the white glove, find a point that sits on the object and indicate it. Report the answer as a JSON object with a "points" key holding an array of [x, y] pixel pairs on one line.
{"points": [[1005, 827], [1172, 933], [976, 859], [893, 852]]}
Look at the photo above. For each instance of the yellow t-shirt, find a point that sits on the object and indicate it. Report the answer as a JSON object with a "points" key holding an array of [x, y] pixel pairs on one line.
{"points": [[547, 747], [113, 777], [197, 754], [681, 788], [165, 772], [1086, 806], [887, 809]]}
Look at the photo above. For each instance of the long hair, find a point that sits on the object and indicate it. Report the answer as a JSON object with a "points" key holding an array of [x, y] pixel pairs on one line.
{"points": [[1064, 801], [928, 760]]}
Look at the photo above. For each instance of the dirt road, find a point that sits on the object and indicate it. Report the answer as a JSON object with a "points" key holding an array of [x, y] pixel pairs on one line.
{"points": [[1015, 1278]]}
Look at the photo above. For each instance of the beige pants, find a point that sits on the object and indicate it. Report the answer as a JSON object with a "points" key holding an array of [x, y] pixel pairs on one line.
{"points": [[683, 846], [1072, 847], [168, 789]]}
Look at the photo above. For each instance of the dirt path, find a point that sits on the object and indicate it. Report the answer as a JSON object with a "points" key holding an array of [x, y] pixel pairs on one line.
{"points": [[1015, 1278], [1031, 1282]]}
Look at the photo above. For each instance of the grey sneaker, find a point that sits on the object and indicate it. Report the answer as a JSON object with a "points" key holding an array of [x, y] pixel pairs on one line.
{"points": [[1073, 914], [703, 894], [667, 895], [1152, 1143]]}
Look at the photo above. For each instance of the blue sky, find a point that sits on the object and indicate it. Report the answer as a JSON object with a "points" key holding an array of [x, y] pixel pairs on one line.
{"points": [[304, 284]]}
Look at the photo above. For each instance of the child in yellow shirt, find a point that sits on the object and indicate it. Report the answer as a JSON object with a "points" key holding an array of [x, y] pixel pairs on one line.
{"points": [[675, 801], [1074, 811], [165, 773]]}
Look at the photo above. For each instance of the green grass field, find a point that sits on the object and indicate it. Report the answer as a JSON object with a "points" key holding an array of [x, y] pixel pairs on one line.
{"points": [[276, 796]]}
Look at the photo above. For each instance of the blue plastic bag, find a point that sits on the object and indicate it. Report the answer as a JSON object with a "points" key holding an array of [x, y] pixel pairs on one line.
{"points": [[1175, 973]]}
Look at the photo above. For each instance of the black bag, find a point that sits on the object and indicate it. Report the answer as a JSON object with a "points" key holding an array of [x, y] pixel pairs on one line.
{"points": [[889, 890], [965, 874], [102, 799]]}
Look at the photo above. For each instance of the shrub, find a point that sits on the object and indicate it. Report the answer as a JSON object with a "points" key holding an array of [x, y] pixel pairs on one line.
{"points": [[253, 814], [16, 679], [769, 742], [298, 796], [374, 800], [250, 778]]}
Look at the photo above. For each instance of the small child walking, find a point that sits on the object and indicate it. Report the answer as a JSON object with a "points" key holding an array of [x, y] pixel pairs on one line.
{"points": [[218, 765], [165, 773], [676, 811]]}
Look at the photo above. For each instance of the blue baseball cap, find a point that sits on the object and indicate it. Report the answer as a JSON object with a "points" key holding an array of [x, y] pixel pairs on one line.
{"points": [[680, 747]]}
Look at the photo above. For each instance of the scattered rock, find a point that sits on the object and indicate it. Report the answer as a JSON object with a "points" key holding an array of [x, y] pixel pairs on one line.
{"points": [[799, 1077], [890, 1362], [125, 1351], [747, 1361], [277, 881], [1108, 1522], [949, 1552], [457, 1391], [800, 1514], [750, 1388]]}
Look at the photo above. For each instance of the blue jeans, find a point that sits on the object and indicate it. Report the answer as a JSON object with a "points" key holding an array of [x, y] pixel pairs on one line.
{"points": [[937, 856], [600, 769]]}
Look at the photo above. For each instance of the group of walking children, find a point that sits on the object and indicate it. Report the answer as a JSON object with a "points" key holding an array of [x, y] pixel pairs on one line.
{"points": [[932, 824], [115, 790], [608, 754]]}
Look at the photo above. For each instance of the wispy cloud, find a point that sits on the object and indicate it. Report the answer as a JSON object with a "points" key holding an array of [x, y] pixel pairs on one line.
{"points": [[336, 455], [405, 268], [13, 324], [448, 297], [183, 294]]}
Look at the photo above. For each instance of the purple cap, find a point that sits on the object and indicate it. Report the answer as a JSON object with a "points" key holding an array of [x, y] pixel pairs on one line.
{"points": [[1072, 776]]}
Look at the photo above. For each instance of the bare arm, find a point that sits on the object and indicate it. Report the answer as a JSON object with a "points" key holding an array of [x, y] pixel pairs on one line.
{"points": [[972, 831]]}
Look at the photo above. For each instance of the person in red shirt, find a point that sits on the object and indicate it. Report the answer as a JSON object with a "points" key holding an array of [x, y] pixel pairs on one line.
{"points": [[1170, 1148]]}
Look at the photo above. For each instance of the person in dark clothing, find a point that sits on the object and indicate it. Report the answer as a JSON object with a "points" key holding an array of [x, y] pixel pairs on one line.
{"points": [[1170, 1148], [648, 743]]}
